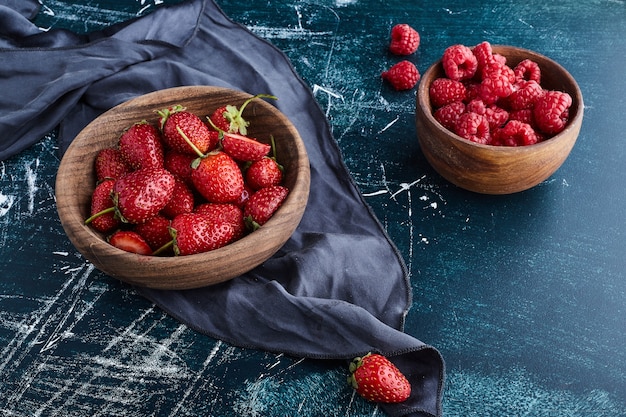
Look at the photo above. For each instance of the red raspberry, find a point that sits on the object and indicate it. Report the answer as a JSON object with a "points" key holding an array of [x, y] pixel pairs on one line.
{"points": [[402, 76], [477, 106], [473, 127], [523, 115], [449, 114], [404, 40], [496, 116], [483, 54], [444, 91], [528, 70], [551, 111], [497, 69], [515, 133], [493, 88], [525, 95], [459, 63]]}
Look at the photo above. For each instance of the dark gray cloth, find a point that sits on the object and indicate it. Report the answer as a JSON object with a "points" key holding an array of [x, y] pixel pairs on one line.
{"points": [[337, 289]]}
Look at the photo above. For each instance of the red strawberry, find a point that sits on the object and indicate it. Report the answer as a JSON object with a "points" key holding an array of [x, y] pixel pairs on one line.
{"points": [[376, 379], [217, 178], [141, 147], [262, 205], [182, 200], [264, 173], [155, 231], [185, 132], [243, 148], [197, 233], [225, 213], [102, 208], [130, 242], [229, 118], [110, 164], [179, 164], [141, 194]]}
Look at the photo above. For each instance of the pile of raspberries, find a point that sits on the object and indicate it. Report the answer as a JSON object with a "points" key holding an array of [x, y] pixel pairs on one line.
{"points": [[481, 98], [484, 100]]}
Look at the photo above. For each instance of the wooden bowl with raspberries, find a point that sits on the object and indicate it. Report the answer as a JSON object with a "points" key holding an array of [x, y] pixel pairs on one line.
{"points": [[184, 187], [496, 119]]}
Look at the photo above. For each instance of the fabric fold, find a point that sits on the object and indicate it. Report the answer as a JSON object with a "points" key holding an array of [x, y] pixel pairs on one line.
{"points": [[337, 289]]}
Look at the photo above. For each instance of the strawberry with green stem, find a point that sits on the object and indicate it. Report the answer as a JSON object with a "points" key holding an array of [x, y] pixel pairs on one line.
{"points": [[376, 379], [185, 131], [229, 118], [262, 205]]}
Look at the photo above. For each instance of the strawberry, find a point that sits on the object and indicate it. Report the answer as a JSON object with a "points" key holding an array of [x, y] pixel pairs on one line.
{"points": [[130, 242], [141, 194], [155, 231], [376, 379], [182, 200], [217, 178], [245, 195], [141, 147], [185, 132], [179, 164], [102, 208], [262, 205], [243, 148], [229, 118], [110, 164], [227, 213], [197, 233], [264, 173]]}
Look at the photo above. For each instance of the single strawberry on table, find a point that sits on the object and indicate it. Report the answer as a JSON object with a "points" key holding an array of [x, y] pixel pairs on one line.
{"points": [[376, 379]]}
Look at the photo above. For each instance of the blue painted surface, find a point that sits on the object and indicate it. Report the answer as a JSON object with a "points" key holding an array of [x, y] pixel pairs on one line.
{"points": [[524, 295]]}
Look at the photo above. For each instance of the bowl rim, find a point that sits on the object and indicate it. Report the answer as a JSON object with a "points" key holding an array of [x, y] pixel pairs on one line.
{"points": [[423, 101], [72, 221]]}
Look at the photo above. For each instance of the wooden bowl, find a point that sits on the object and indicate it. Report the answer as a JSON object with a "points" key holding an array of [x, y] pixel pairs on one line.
{"points": [[76, 180], [498, 169]]}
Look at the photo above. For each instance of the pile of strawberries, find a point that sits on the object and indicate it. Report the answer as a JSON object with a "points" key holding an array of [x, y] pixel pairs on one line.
{"points": [[185, 186], [484, 100]]}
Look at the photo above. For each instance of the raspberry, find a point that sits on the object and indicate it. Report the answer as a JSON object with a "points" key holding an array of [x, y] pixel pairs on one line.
{"points": [[525, 95], [402, 76], [448, 115], [523, 115], [493, 88], [459, 63], [444, 91], [477, 106], [515, 133], [404, 40], [496, 116], [473, 127], [483, 54], [551, 111], [528, 70], [497, 69]]}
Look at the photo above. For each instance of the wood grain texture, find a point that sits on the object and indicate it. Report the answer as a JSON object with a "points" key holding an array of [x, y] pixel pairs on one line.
{"points": [[76, 177], [498, 169]]}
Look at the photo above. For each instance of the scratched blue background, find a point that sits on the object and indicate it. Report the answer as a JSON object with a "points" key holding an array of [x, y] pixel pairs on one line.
{"points": [[524, 295]]}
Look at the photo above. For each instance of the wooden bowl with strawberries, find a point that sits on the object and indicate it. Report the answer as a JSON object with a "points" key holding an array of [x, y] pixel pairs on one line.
{"points": [[133, 199], [507, 157]]}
